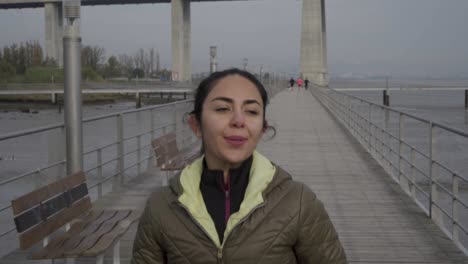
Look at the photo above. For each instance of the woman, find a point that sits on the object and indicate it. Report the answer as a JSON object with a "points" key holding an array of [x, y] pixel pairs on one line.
{"points": [[233, 205]]}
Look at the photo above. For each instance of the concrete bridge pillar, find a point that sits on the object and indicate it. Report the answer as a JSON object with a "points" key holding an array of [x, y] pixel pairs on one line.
{"points": [[181, 56], [314, 42], [54, 32]]}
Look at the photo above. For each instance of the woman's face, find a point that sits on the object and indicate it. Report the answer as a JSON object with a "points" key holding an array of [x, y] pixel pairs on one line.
{"points": [[231, 122]]}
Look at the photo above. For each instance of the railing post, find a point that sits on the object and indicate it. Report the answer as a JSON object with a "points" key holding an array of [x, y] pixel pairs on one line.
{"points": [[38, 181], [370, 127], [120, 147], [388, 138], [400, 144], [413, 180], [455, 223], [433, 186], [382, 138], [466, 99], [152, 123], [99, 171], [139, 155]]}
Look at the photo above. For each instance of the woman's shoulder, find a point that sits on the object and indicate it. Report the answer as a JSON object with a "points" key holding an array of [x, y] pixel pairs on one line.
{"points": [[297, 187], [160, 198]]}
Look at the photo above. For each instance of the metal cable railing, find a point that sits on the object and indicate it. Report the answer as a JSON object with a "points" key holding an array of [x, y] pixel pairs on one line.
{"points": [[423, 171], [119, 145]]}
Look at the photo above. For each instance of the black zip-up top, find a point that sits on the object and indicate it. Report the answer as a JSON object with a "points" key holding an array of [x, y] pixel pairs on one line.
{"points": [[224, 199]]}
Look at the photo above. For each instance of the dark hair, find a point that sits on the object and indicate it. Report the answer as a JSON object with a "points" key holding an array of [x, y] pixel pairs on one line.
{"points": [[210, 82]]}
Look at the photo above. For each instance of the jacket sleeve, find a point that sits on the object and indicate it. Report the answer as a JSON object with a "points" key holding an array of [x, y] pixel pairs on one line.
{"points": [[146, 247], [317, 241]]}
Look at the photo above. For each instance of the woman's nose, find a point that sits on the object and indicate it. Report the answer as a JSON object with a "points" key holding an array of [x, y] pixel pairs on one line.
{"points": [[238, 119]]}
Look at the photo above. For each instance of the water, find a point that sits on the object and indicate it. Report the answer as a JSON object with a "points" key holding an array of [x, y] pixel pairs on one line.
{"points": [[15, 120], [446, 107]]}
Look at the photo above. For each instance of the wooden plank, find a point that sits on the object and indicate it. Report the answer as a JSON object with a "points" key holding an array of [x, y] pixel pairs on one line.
{"points": [[165, 148], [91, 239], [31, 199], [45, 209], [44, 229], [110, 238], [75, 229], [76, 239]]}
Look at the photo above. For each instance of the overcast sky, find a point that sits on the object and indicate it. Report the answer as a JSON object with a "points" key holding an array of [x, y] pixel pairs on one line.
{"points": [[394, 37]]}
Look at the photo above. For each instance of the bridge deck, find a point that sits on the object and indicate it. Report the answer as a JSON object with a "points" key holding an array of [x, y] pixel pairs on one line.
{"points": [[376, 221]]}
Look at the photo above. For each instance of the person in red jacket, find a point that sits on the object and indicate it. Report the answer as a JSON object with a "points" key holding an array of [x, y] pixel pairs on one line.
{"points": [[299, 82]]}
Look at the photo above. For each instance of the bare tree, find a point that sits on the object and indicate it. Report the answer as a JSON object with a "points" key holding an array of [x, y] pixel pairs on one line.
{"points": [[151, 61], [92, 56]]}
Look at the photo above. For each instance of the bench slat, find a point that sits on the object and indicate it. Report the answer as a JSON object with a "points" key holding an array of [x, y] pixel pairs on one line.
{"points": [[76, 236], [75, 229], [33, 198], [44, 210], [37, 233], [165, 147], [90, 240], [118, 231]]}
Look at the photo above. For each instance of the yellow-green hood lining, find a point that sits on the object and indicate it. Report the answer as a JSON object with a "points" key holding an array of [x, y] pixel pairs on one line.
{"points": [[261, 174]]}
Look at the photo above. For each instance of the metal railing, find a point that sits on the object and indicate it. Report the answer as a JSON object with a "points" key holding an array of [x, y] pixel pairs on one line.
{"points": [[422, 156], [117, 147]]}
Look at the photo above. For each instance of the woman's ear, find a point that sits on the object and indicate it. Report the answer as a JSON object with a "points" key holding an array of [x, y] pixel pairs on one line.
{"points": [[194, 125]]}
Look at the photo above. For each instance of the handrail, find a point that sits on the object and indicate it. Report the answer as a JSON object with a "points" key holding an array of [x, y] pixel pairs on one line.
{"points": [[100, 161], [388, 149]]}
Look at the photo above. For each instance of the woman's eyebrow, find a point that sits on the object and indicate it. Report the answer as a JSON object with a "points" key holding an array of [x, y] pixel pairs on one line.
{"points": [[229, 100], [251, 101], [224, 99]]}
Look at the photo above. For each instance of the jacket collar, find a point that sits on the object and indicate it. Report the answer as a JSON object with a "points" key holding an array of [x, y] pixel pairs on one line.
{"points": [[237, 176], [187, 187]]}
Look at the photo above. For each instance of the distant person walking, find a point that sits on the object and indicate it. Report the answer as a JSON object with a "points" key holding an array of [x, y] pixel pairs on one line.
{"points": [[299, 82], [306, 83], [291, 82]]}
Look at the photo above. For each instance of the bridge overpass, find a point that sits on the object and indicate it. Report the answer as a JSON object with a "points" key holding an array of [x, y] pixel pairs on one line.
{"points": [[313, 33]]}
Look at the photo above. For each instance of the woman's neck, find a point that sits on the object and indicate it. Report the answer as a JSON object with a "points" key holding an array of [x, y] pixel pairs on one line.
{"points": [[222, 166]]}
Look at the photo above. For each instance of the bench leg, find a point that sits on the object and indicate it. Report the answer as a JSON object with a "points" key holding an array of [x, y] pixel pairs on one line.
{"points": [[116, 258], [164, 178], [100, 259]]}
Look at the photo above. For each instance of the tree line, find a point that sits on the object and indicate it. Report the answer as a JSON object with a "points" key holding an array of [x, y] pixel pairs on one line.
{"points": [[26, 62]]}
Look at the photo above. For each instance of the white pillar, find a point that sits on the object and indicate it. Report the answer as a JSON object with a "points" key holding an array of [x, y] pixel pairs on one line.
{"points": [[176, 18], [181, 56], [313, 42], [186, 57], [54, 32]]}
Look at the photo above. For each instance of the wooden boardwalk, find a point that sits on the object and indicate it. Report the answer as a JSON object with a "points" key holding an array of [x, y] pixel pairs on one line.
{"points": [[377, 222]]}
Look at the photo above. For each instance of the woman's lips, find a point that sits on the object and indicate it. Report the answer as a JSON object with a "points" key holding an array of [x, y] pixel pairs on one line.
{"points": [[236, 141]]}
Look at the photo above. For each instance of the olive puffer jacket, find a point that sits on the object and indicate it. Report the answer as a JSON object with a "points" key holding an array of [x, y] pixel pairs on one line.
{"points": [[279, 221]]}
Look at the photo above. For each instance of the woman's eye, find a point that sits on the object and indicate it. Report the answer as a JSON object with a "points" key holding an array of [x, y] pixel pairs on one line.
{"points": [[222, 109], [252, 112]]}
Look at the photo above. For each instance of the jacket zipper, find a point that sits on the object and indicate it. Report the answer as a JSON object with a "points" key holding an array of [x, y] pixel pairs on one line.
{"points": [[227, 202], [220, 249], [196, 222]]}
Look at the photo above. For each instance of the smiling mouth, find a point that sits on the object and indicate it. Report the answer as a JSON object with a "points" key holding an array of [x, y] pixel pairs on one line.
{"points": [[236, 140]]}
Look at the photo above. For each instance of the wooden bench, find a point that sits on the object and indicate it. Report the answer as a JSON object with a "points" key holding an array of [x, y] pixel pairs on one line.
{"points": [[44, 211], [168, 156]]}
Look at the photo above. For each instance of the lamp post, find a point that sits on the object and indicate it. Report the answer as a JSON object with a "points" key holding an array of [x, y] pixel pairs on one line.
{"points": [[244, 64], [72, 75], [213, 63]]}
